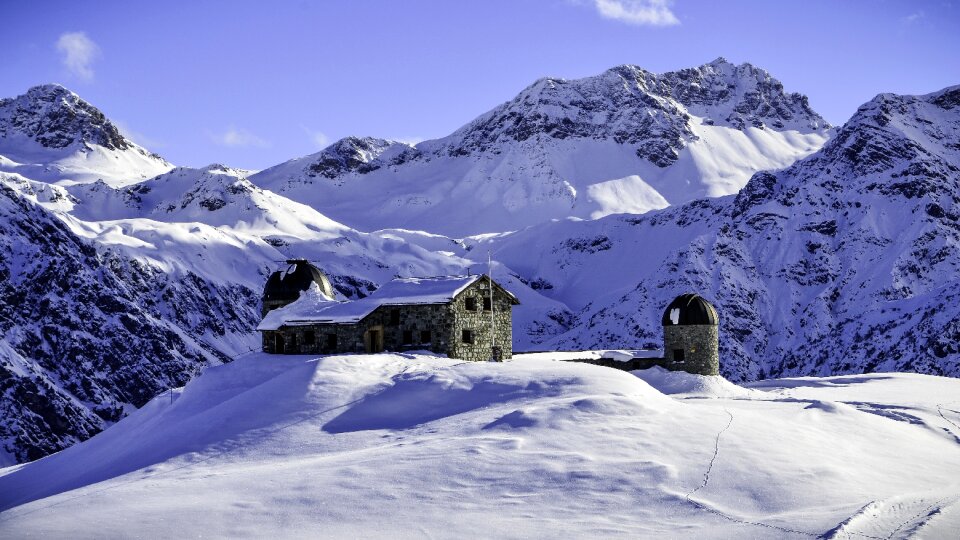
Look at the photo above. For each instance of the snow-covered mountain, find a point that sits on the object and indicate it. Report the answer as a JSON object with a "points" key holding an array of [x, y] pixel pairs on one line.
{"points": [[414, 446], [52, 135], [626, 140], [846, 262]]}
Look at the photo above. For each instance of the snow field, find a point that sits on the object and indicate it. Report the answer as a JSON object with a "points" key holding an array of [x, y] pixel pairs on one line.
{"points": [[418, 445]]}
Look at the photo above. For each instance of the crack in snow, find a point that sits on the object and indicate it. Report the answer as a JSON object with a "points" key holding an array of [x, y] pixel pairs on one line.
{"points": [[706, 480]]}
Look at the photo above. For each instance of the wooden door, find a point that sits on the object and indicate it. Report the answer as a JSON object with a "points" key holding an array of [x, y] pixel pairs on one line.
{"points": [[374, 340]]}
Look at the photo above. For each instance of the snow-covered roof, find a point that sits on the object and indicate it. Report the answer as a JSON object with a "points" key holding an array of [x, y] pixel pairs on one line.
{"points": [[314, 307]]}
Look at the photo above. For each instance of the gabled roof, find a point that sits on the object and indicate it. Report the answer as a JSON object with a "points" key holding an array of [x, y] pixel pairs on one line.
{"points": [[314, 308]]}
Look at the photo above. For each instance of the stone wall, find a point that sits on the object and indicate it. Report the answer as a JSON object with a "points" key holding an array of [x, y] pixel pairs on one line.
{"points": [[700, 345], [478, 322], [349, 338], [435, 318]]}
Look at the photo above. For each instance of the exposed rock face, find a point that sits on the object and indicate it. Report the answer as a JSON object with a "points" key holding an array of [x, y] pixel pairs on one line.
{"points": [[358, 154], [630, 105], [55, 117]]}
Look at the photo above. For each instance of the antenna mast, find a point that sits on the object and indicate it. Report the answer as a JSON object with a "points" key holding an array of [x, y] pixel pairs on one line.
{"points": [[493, 329]]}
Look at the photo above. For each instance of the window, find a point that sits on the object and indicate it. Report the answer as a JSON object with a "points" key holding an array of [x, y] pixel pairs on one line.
{"points": [[425, 336], [331, 341], [309, 337], [395, 317], [467, 336], [407, 337], [486, 303], [678, 355], [471, 303]]}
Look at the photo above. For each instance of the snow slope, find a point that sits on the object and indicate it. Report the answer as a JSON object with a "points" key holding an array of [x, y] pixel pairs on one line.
{"points": [[416, 445], [50, 134], [626, 140]]}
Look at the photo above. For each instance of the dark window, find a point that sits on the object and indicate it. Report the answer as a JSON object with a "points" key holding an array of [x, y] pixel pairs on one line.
{"points": [[678, 355], [395, 317], [468, 336], [425, 336], [407, 337], [471, 303], [486, 303], [309, 338], [331, 341]]}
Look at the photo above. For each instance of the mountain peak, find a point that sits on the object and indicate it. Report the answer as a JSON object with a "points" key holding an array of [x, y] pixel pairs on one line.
{"points": [[55, 117], [50, 89]]}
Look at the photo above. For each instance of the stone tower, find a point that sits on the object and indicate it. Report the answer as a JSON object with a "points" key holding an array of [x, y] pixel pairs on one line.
{"points": [[285, 285], [690, 339]]}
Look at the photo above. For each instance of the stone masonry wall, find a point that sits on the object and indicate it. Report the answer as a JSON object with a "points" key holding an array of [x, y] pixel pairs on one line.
{"points": [[478, 322], [700, 345], [435, 318]]}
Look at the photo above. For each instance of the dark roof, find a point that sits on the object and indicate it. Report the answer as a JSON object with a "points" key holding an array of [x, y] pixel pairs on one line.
{"points": [[288, 283], [690, 309]]}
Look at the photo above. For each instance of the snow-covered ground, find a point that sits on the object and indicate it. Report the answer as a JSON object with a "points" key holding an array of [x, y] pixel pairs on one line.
{"points": [[422, 446]]}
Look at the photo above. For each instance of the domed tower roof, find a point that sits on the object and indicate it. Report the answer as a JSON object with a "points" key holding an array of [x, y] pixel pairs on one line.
{"points": [[690, 309], [287, 284]]}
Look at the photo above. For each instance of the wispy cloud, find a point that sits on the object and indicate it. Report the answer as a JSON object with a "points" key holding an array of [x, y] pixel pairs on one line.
{"points": [[913, 17], [78, 53], [638, 12], [239, 137], [319, 139]]}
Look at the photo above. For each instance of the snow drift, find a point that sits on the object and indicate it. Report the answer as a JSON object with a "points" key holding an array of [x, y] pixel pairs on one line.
{"points": [[416, 445]]}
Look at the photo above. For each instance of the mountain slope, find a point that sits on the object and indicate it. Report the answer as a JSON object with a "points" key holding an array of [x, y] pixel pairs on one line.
{"points": [[624, 141], [87, 335], [845, 262], [50, 134]]}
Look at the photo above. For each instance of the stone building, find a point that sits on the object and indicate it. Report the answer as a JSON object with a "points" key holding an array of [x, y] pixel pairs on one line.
{"points": [[451, 315], [690, 339]]}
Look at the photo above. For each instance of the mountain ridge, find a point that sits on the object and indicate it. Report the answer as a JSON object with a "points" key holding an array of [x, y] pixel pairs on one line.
{"points": [[616, 142]]}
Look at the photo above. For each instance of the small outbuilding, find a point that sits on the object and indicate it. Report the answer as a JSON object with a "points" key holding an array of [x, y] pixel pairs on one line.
{"points": [[465, 317], [691, 342]]}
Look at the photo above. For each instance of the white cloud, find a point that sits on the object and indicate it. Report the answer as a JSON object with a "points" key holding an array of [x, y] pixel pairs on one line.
{"points": [[239, 137], [319, 139], [639, 12], [913, 17], [78, 53]]}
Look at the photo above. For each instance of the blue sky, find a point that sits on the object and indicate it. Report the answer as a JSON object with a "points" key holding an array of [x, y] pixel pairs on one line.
{"points": [[252, 84]]}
